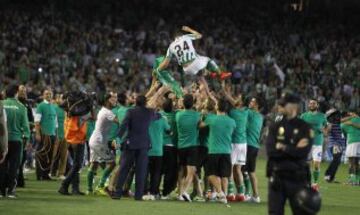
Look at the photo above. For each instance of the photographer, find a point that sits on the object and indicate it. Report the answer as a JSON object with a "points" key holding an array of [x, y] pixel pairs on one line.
{"points": [[77, 106], [288, 145]]}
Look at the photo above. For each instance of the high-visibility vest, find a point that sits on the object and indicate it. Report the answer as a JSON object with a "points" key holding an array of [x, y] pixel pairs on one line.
{"points": [[75, 133]]}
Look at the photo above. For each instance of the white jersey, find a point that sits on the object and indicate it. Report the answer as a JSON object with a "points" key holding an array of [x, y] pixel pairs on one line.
{"points": [[103, 124], [182, 49]]}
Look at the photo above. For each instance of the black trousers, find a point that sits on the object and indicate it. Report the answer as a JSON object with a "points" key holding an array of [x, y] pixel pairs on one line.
{"points": [[335, 163], [154, 174], [73, 177], [10, 167], [279, 191], [20, 177], [169, 169], [43, 156], [127, 159]]}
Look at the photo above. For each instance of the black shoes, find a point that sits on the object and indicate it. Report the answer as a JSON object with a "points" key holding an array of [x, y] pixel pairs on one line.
{"points": [[64, 191], [78, 193]]}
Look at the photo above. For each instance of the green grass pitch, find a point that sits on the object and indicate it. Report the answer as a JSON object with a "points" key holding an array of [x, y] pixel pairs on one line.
{"points": [[41, 198]]}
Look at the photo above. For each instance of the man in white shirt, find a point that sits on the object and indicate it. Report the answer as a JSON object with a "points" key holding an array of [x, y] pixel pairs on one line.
{"points": [[101, 152]]}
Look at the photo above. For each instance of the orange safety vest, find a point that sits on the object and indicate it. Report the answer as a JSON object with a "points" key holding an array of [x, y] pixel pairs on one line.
{"points": [[74, 132]]}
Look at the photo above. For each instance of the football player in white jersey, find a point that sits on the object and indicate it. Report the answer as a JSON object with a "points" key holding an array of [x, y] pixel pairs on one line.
{"points": [[193, 64]]}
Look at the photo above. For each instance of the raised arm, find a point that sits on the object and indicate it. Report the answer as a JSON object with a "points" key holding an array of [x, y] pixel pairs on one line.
{"points": [[152, 90], [228, 95], [192, 31], [163, 65], [161, 92]]}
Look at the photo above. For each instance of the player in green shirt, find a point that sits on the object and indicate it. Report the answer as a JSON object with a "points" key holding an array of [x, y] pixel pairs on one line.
{"points": [[18, 129], [120, 115], [221, 128], [318, 124], [351, 128], [187, 122], [238, 155], [157, 130], [45, 126], [253, 133], [170, 165], [60, 148]]}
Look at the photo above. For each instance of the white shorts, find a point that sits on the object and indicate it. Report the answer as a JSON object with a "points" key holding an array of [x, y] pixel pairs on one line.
{"points": [[316, 153], [198, 64], [99, 151], [238, 154], [352, 150]]}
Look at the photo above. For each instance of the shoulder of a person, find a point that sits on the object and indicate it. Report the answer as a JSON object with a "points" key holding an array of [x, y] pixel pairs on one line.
{"points": [[21, 105], [302, 123]]}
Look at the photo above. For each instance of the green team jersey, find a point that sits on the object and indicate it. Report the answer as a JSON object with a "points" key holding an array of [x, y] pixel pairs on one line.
{"points": [[240, 116], [17, 120], [352, 133], [170, 139], [204, 132], [187, 122], [115, 126], [317, 122], [253, 128], [90, 127], [221, 128], [120, 114], [157, 130], [47, 113], [60, 114]]}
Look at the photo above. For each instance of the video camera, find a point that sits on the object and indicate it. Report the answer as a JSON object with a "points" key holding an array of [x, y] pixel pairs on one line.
{"points": [[77, 103]]}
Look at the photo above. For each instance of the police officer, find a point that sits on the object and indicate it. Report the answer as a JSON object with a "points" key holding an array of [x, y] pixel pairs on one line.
{"points": [[288, 145]]}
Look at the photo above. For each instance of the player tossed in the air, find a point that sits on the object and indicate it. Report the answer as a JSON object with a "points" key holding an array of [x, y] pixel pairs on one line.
{"points": [[193, 64]]}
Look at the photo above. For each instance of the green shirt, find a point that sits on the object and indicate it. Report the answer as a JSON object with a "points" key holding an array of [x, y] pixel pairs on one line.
{"points": [[17, 120], [352, 133], [253, 128], [120, 114], [317, 122], [90, 126], [115, 126], [204, 132], [48, 118], [240, 116], [221, 128], [187, 122], [60, 114], [156, 132], [170, 139]]}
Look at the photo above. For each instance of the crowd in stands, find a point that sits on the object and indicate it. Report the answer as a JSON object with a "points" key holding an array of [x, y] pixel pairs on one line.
{"points": [[50, 49]]}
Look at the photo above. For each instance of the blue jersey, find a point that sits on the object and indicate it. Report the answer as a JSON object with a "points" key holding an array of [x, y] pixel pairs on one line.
{"points": [[335, 137]]}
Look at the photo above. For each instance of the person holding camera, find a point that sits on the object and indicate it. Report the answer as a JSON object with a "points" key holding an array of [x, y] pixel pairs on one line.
{"points": [[288, 145]]}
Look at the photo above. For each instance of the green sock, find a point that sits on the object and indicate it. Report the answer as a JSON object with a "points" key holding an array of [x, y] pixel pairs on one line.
{"points": [[90, 179], [231, 187], [316, 174], [105, 176], [241, 189], [358, 176], [247, 185]]}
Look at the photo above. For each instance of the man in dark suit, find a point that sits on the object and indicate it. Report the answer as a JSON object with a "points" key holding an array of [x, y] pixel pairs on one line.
{"points": [[135, 146]]}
